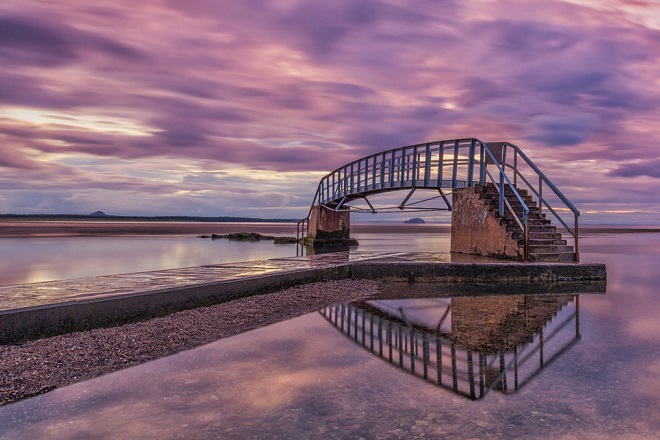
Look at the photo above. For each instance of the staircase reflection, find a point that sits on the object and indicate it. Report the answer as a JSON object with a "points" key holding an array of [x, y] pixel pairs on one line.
{"points": [[469, 345]]}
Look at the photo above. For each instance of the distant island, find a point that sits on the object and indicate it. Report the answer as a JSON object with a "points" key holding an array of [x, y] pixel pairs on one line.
{"points": [[415, 221]]}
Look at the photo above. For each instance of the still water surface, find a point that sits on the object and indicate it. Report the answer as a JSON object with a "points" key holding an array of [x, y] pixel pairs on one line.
{"points": [[37, 259], [309, 378]]}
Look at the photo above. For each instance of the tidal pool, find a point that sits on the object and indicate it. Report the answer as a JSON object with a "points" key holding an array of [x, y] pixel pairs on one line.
{"points": [[570, 365]]}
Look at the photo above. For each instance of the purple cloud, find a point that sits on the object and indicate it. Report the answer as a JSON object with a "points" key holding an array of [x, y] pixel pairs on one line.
{"points": [[648, 168], [309, 86], [32, 42]]}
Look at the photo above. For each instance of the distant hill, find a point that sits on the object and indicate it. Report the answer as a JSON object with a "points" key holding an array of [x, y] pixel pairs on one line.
{"points": [[415, 221], [171, 218]]}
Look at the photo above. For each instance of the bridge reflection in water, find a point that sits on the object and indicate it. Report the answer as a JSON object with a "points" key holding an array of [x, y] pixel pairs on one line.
{"points": [[468, 345]]}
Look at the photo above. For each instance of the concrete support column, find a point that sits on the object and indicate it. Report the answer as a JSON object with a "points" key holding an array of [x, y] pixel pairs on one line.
{"points": [[477, 229], [326, 223], [329, 229]]}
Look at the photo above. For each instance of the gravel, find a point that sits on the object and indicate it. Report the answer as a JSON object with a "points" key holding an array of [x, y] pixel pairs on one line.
{"points": [[36, 367]]}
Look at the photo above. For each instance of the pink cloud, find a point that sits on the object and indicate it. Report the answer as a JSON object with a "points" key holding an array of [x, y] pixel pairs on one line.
{"points": [[309, 86]]}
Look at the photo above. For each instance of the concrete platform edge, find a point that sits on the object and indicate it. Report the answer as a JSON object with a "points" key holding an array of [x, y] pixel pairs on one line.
{"points": [[49, 320], [43, 321]]}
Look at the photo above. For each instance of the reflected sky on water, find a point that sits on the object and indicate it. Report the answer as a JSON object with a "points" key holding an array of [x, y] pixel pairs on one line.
{"points": [[37, 259], [304, 378]]}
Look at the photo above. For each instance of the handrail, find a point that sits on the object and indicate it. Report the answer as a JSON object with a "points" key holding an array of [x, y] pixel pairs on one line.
{"points": [[439, 164], [543, 201]]}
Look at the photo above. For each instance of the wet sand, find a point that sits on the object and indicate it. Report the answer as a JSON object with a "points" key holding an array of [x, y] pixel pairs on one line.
{"points": [[36, 367], [96, 228]]}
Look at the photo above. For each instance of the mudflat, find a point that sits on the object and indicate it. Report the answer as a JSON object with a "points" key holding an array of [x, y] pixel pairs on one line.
{"points": [[96, 228], [92, 228]]}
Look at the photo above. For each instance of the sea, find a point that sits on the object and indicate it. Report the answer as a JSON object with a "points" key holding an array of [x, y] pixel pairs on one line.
{"points": [[569, 365], [46, 257]]}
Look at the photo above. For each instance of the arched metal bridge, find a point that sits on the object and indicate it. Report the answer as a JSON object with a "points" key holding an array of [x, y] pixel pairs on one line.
{"points": [[443, 166]]}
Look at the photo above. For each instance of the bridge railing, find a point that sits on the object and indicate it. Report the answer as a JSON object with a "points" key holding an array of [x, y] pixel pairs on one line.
{"points": [[456, 163], [441, 164], [469, 370], [527, 175]]}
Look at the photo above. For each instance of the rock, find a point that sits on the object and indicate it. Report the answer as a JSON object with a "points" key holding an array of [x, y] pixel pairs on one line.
{"points": [[285, 240], [98, 214], [334, 244], [248, 236], [415, 221], [251, 236]]}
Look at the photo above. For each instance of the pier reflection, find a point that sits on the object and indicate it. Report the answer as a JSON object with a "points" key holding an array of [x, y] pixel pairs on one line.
{"points": [[468, 345]]}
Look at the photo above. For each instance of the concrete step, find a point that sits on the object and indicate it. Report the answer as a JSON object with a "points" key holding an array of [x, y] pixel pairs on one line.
{"points": [[563, 257], [550, 248], [531, 221], [542, 228], [535, 231], [546, 242], [534, 235]]}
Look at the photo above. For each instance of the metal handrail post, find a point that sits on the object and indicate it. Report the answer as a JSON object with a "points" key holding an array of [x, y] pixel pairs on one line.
{"points": [[441, 162], [577, 248], [455, 167], [501, 204], [402, 170], [352, 178], [414, 166], [526, 234], [515, 168], [470, 170], [482, 165], [540, 196], [427, 165]]}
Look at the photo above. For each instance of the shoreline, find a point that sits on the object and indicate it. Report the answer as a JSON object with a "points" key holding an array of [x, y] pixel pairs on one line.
{"points": [[38, 366], [102, 228]]}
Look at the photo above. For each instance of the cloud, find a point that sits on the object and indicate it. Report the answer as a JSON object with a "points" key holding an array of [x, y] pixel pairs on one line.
{"points": [[310, 86], [33, 42], [647, 168]]}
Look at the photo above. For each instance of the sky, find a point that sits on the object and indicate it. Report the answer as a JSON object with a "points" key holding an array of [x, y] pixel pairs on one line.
{"points": [[238, 108]]}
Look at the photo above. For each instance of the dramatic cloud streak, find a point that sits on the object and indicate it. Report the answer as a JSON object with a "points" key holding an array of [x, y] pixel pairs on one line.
{"points": [[167, 107]]}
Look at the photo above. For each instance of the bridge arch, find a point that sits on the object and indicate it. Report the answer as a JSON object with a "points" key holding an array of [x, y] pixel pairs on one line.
{"points": [[447, 166]]}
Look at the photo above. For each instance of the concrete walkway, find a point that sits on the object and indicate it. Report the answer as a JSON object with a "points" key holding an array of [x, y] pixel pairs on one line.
{"points": [[42, 309]]}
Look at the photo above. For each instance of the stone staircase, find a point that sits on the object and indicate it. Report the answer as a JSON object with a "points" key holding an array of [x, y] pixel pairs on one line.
{"points": [[545, 242]]}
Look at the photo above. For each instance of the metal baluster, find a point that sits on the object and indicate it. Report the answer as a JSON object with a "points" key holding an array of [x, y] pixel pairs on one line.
{"points": [[455, 167], [470, 164], [414, 167], [471, 374], [454, 371], [413, 343], [438, 355], [425, 354]]}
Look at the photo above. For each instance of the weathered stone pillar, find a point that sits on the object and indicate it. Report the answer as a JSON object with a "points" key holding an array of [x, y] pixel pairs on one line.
{"points": [[476, 229], [329, 227]]}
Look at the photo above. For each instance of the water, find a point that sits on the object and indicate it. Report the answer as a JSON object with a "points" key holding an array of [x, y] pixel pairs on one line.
{"points": [[31, 260], [47, 258], [306, 378]]}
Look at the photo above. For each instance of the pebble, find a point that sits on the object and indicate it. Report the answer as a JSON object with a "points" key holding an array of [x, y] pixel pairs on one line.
{"points": [[36, 367]]}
